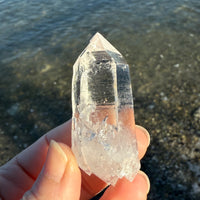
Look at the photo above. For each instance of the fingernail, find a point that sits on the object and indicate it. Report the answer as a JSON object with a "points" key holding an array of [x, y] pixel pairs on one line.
{"points": [[28, 196], [56, 162], [146, 179], [146, 133]]}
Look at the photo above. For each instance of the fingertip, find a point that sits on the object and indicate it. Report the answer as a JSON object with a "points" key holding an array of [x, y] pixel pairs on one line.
{"points": [[143, 140], [124, 189], [56, 162], [145, 133], [146, 180]]}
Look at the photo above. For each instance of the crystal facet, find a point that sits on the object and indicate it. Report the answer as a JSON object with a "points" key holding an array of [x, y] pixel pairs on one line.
{"points": [[103, 127]]}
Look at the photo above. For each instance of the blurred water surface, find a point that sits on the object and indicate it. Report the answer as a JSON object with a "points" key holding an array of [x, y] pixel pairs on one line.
{"points": [[33, 26], [39, 42]]}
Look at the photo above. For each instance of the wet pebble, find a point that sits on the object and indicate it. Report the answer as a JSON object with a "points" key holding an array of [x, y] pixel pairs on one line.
{"points": [[165, 98], [1, 132], [15, 137], [151, 106], [161, 56], [31, 110], [13, 109], [25, 145], [176, 65]]}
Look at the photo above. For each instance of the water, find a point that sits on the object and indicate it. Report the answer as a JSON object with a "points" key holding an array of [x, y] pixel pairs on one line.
{"points": [[39, 42], [30, 27]]}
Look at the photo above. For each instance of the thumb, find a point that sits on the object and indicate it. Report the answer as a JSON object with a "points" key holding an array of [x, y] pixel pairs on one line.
{"points": [[60, 177]]}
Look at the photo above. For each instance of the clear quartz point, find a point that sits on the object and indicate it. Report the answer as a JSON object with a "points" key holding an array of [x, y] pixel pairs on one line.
{"points": [[103, 127]]}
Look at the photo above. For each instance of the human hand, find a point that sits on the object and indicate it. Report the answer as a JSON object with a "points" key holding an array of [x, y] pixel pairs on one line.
{"points": [[44, 171]]}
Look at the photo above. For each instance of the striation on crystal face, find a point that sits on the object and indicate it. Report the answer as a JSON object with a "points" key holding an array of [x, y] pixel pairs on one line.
{"points": [[103, 137]]}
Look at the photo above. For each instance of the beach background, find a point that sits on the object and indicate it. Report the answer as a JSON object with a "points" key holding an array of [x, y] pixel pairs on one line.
{"points": [[39, 43]]}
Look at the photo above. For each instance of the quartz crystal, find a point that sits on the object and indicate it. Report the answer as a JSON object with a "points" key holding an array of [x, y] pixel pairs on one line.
{"points": [[103, 127]]}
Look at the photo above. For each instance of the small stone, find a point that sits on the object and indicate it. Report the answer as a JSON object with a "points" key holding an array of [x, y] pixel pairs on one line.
{"points": [[35, 126], [103, 137], [176, 65], [165, 98], [162, 94], [1, 132], [46, 68], [13, 109], [151, 106], [25, 145], [15, 137], [161, 56]]}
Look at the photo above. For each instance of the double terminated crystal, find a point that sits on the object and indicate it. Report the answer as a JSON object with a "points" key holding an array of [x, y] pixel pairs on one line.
{"points": [[103, 138]]}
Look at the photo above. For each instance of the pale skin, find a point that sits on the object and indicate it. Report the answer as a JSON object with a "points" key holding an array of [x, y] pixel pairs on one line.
{"points": [[47, 170]]}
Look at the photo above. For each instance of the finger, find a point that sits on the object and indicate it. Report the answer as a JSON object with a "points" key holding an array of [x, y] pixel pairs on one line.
{"points": [[143, 140], [60, 177], [29, 157], [91, 185], [124, 189]]}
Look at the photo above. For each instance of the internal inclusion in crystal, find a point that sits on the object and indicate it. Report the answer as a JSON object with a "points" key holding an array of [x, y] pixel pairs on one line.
{"points": [[102, 140]]}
